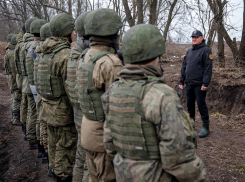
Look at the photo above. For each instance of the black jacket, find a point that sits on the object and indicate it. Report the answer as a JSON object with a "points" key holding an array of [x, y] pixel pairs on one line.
{"points": [[197, 66]]}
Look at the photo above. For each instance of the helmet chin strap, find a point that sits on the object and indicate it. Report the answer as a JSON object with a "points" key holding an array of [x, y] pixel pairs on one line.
{"points": [[119, 53]]}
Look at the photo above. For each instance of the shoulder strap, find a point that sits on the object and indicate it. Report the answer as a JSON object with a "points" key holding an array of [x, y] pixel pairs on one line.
{"points": [[99, 55]]}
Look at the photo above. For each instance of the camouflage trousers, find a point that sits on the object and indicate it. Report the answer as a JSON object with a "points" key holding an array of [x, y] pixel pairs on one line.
{"points": [[23, 109], [16, 100], [42, 121], [100, 167], [62, 145], [80, 170], [38, 108], [31, 120], [19, 80]]}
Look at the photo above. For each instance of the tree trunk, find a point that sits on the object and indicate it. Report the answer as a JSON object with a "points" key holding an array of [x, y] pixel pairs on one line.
{"points": [[165, 33], [153, 11], [211, 35], [140, 11], [219, 20], [129, 18], [242, 45]]}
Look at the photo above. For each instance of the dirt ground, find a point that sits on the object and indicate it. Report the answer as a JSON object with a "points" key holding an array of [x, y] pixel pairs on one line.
{"points": [[223, 151]]}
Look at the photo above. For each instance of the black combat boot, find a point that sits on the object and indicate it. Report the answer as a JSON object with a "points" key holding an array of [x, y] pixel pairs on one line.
{"points": [[40, 150], [45, 157], [24, 132], [69, 179], [33, 146], [16, 118], [205, 131]]}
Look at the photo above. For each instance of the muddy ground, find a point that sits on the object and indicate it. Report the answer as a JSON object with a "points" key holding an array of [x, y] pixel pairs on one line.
{"points": [[223, 151]]}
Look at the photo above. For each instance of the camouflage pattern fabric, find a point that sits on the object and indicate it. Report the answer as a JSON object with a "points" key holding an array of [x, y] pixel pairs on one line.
{"points": [[175, 131], [11, 77], [62, 145], [23, 109], [44, 135], [102, 22], [18, 47], [58, 113], [9, 37], [104, 73], [28, 38], [36, 25], [142, 43], [31, 120], [38, 108], [28, 24], [104, 170], [80, 167], [61, 25]]}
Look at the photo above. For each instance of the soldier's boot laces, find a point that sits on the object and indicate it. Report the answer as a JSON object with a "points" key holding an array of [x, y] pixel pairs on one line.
{"points": [[205, 131], [16, 118], [45, 157], [40, 150]]}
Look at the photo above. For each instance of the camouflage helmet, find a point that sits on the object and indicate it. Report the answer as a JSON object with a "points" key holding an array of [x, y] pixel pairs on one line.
{"points": [[142, 43], [61, 25], [28, 24], [79, 24], [13, 40], [45, 31], [102, 22], [9, 37], [36, 25]]}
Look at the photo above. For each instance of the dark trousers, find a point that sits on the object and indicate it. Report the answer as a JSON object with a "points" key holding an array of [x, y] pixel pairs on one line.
{"points": [[194, 93]]}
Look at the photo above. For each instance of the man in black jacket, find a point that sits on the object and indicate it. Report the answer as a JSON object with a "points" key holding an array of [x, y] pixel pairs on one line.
{"points": [[196, 72]]}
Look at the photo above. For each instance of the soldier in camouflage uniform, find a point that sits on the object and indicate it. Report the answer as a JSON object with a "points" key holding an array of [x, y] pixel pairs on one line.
{"points": [[19, 79], [30, 57], [57, 111], [44, 33], [11, 75], [96, 72], [146, 130], [80, 170], [28, 102]]}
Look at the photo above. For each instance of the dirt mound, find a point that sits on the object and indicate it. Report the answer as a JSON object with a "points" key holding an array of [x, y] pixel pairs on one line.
{"points": [[2, 47]]}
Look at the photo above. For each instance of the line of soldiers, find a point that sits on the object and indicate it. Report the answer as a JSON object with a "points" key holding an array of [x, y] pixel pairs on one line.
{"points": [[91, 117]]}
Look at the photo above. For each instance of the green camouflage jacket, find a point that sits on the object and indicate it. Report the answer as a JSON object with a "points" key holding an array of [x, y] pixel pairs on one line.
{"points": [[179, 162], [56, 112], [10, 66], [28, 38]]}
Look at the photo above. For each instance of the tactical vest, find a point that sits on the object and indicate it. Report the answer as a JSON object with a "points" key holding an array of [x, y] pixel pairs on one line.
{"points": [[17, 60], [88, 95], [71, 78], [49, 86], [25, 48], [7, 66], [133, 136], [30, 62], [36, 62]]}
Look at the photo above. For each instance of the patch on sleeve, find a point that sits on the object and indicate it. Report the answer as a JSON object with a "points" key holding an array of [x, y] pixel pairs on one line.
{"points": [[210, 56]]}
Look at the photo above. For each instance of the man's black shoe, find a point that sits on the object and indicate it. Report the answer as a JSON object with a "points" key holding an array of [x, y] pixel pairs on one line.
{"points": [[205, 131]]}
